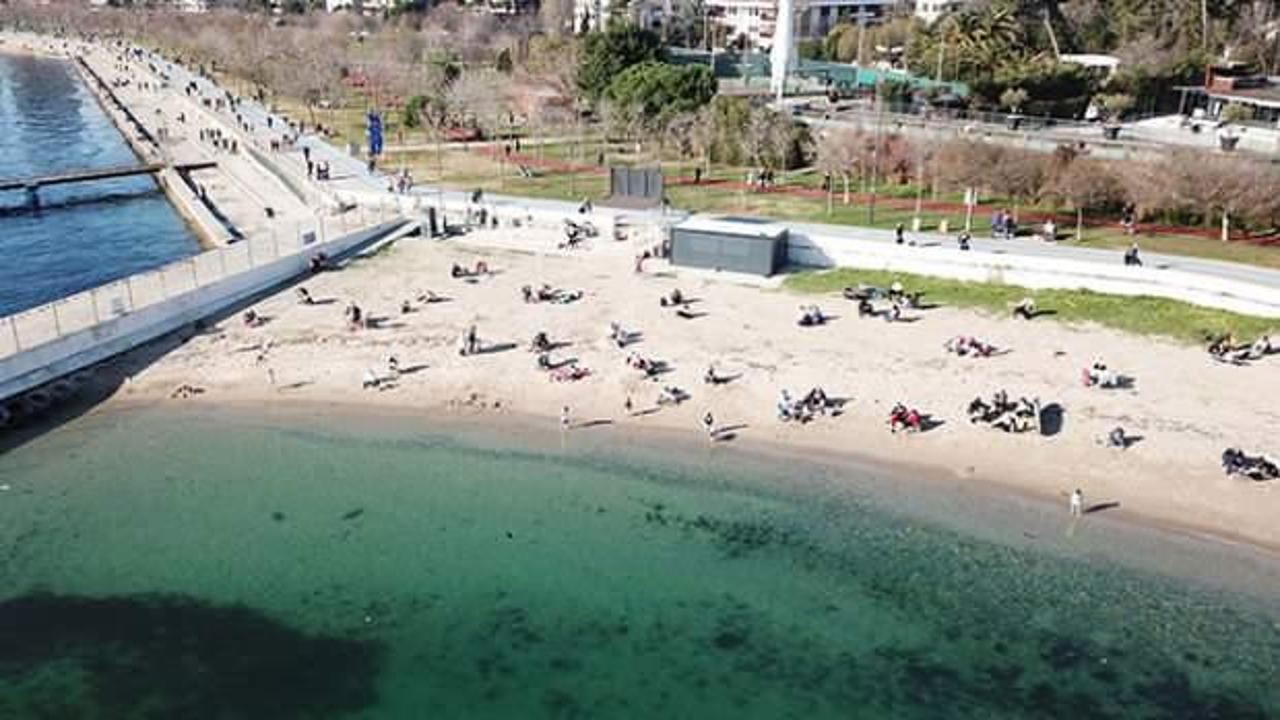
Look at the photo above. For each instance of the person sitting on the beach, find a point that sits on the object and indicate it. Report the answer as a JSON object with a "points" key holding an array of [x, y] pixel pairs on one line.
{"points": [[1260, 348], [710, 377], [353, 315], [1117, 438], [1025, 309], [1098, 375], [540, 343], [252, 318], [304, 297], [618, 336], [963, 240], [457, 272], [811, 316], [429, 297], [784, 405], [482, 267], [676, 298], [1223, 345], [370, 380], [865, 308], [318, 262], [894, 313], [544, 361], [405, 307], [393, 366], [896, 291], [526, 292], [638, 362]]}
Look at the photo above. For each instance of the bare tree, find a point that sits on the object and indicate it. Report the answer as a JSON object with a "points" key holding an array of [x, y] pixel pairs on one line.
{"points": [[1087, 184], [767, 138], [840, 152], [1018, 175]]}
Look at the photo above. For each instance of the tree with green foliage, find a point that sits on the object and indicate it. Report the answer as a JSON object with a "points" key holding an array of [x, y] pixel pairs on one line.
{"points": [[1235, 113], [660, 91], [605, 54], [1115, 105], [411, 113]]}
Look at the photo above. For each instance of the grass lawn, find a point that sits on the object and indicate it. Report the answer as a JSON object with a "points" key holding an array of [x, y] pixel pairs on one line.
{"points": [[1140, 315]]}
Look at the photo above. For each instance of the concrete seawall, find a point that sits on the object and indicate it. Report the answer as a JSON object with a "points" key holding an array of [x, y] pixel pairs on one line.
{"points": [[119, 317]]}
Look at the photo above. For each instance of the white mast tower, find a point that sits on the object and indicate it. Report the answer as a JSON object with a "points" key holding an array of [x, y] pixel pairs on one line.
{"points": [[782, 56]]}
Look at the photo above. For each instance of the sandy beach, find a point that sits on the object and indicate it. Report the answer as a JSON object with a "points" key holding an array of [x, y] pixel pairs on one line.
{"points": [[1185, 407]]}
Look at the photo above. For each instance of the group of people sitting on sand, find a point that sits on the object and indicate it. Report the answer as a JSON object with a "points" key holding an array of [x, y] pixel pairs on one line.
{"points": [[546, 293], [677, 300], [814, 402], [1101, 376], [1255, 467], [811, 316], [576, 233], [620, 336], [318, 263], [252, 319], [650, 368], [1001, 413], [186, 391], [1226, 349], [969, 346], [569, 373], [458, 272], [897, 297], [904, 418]]}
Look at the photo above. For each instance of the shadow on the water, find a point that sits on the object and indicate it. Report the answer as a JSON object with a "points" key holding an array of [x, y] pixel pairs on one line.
{"points": [[175, 656]]}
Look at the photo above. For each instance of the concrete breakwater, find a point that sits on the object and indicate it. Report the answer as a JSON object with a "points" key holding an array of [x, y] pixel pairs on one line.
{"points": [[44, 344]]}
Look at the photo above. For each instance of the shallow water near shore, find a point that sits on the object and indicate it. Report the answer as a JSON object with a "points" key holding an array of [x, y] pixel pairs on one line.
{"points": [[202, 563]]}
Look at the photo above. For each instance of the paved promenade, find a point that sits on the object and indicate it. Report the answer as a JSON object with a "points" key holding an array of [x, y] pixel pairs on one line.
{"points": [[351, 178], [239, 188]]}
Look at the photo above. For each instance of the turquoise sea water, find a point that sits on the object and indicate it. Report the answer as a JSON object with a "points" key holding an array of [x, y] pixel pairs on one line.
{"points": [[193, 563]]}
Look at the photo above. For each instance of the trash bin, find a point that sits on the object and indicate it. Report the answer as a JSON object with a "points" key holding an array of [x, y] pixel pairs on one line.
{"points": [[1013, 122]]}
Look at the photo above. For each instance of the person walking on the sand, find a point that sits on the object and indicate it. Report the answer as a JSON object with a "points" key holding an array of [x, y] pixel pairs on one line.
{"points": [[709, 423], [1077, 503]]}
